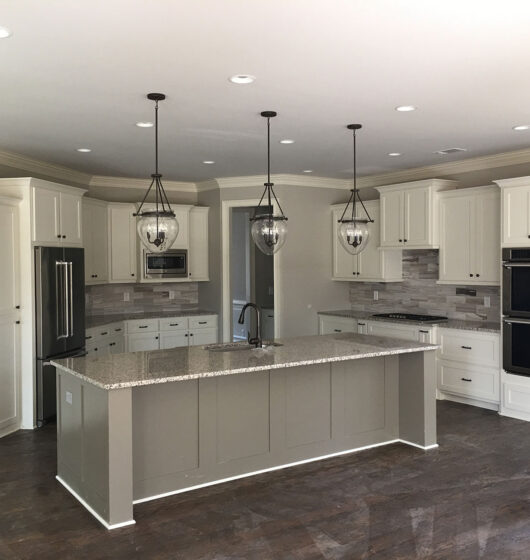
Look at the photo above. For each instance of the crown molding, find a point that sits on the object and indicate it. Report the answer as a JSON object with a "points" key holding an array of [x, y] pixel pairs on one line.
{"points": [[284, 179], [37, 167], [515, 182], [140, 184], [448, 168]]}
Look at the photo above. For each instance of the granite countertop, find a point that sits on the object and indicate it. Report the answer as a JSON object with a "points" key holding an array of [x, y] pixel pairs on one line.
{"points": [[118, 371], [100, 320], [460, 324]]}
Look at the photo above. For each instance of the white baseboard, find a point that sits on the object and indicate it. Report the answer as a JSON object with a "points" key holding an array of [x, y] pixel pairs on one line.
{"points": [[93, 511], [279, 467], [9, 430]]}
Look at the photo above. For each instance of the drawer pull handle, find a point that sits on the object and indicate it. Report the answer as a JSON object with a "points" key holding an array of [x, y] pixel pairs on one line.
{"points": [[270, 316], [424, 332], [117, 330], [104, 333], [465, 379], [142, 326], [173, 324], [203, 322], [88, 337], [362, 324], [467, 348], [337, 330]]}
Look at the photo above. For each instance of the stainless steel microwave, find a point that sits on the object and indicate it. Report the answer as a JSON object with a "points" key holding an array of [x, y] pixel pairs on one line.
{"points": [[171, 264]]}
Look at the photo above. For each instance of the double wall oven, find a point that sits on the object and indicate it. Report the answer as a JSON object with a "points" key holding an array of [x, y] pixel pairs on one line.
{"points": [[516, 310]]}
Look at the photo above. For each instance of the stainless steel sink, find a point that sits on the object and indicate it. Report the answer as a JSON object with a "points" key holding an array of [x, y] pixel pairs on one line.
{"points": [[239, 346]]}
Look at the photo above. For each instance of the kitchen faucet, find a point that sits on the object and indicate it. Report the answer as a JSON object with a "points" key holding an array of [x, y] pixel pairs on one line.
{"points": [[257, 341]]}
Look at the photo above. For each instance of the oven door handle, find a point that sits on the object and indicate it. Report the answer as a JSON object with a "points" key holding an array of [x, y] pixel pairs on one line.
{"points": [[518, 321], [516, 265]]}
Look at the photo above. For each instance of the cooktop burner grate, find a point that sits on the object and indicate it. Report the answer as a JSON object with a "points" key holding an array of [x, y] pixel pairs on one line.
{"points": [[412, 317]]}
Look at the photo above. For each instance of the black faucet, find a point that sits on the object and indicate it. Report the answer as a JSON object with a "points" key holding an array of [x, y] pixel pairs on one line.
{"points": [[257, 341]]}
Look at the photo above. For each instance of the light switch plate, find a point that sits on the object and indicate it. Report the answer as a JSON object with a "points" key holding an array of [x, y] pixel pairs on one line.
{"points": [[171, 294], [126, 296], [376, 295], [487, 301]]}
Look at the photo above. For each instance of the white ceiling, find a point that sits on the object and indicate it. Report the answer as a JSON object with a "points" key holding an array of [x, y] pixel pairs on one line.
{"points": [[75, 74]]}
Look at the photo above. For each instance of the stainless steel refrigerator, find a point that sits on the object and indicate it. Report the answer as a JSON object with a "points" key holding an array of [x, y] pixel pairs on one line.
{"points": [[60, 317]]}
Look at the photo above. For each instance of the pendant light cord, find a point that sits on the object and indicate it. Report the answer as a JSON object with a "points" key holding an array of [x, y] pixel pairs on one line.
{"points": [[156, 138]]}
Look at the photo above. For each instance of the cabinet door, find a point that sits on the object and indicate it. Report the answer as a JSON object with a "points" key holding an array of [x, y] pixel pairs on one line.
{"points": [[183, 238], [391, 227], [370, 260], [403, 332], [71, 219], [9, 251], [116, 345], [198, 251], [516, 216], [344, 264], [140, 342], [9, 375], [487, 239], [203, 336], [173, 339], [45, 214], [122, 243], [100, 238], [455, 239], [87, 242], [417, 217]]}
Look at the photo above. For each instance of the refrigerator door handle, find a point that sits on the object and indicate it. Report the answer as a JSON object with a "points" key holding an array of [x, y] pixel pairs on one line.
{"points": [[70, 300], [60, 272]]}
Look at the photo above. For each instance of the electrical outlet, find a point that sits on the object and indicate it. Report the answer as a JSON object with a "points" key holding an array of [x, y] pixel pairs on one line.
{"points": [[487, 301], [171, 294], [69, 397], [376, 295], [126, 296]]}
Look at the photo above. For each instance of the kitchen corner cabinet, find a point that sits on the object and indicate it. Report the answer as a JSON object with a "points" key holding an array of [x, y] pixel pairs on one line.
{"points": [[515, 211], [409, 214], [373, 264], [56, 215], [470, 236], [198, 244], [122, 242], [95, 241]]}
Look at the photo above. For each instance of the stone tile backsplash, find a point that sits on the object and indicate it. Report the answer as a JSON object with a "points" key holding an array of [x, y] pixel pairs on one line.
{"points": [[419, 293], [107, 299]]}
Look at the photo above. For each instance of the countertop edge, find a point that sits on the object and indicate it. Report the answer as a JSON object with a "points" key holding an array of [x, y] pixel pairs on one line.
{"points": [[221, 373]]}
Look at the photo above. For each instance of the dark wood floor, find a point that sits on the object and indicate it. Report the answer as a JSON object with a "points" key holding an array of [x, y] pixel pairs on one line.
{"points": [[468, 499]]}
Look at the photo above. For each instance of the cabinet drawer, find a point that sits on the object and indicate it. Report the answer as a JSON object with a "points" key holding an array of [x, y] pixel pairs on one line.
{"points": [[142, 325], [330, 324], [203, 322], [470, 348], [477, 383], [174, 324]]}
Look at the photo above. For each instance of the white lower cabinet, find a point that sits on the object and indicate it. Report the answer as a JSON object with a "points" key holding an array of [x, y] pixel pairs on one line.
{"points": [[202, 336], [468, 381], [404, 332], [173, 339], [515, 401], [329, 324], [140, 342]]}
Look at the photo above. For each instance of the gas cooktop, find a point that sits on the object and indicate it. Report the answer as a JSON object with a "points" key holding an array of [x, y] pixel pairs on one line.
{"points": [[412, 317]]}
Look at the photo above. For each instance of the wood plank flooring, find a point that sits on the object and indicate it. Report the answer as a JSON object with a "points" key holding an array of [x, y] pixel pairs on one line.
{"points": [[469, 499]]}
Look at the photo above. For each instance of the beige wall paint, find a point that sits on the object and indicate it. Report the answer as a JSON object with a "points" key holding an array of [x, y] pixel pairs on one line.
{"points": [[305, 260]]}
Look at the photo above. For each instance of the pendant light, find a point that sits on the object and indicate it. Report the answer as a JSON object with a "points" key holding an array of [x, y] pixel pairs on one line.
{"points": [[353, 231], [157, 228], [268, 231]]}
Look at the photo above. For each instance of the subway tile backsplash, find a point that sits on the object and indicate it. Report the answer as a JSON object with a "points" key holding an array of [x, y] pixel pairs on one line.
{"points": [[107, 299], [419, 293]]}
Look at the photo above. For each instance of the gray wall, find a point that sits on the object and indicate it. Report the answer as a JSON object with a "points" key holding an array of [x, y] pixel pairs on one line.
{"points": [[305, 284]]}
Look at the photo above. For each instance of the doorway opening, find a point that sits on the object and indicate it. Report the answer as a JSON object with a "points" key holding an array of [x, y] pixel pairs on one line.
{"points": [[251, 278]]}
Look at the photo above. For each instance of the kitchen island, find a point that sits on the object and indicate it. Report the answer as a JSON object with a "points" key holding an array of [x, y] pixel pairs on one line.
{"points": [[140, 426]]}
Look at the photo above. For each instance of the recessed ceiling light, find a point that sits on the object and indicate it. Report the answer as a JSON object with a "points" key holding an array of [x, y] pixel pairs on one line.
{"points": [[308, 171], [287, 141], [84, 150], [521, 127], [242, 79], [144, 124], [394, 154], [405, 108], [5, 33], [208, 162]]}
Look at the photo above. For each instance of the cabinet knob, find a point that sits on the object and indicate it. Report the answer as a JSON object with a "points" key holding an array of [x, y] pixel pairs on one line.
{"points": [[17, 322], [400, 240], [17, 306], [59, 236], [358, 273], [191, 334], [477, 275], [186, 335], [64, 236], [156, 337], [405, 240], [132, 274], [471, 275]]}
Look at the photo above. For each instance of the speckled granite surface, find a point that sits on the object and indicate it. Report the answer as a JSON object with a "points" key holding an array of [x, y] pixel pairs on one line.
{"points": [[483, 326], [180, 364], [99, 320]]}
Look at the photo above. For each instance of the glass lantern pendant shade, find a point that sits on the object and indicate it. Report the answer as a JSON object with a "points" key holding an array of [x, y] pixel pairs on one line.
{"points": [[353, 229], [157, 228], [268, 231]]}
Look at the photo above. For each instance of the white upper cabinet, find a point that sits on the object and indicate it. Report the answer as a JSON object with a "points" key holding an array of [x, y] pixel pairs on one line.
{"points": [[515, 211], [56, 215], [95, 241], [198, 246], [373, 264], [122, 242], [409, 214], [470, 236], [182, 214]]}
